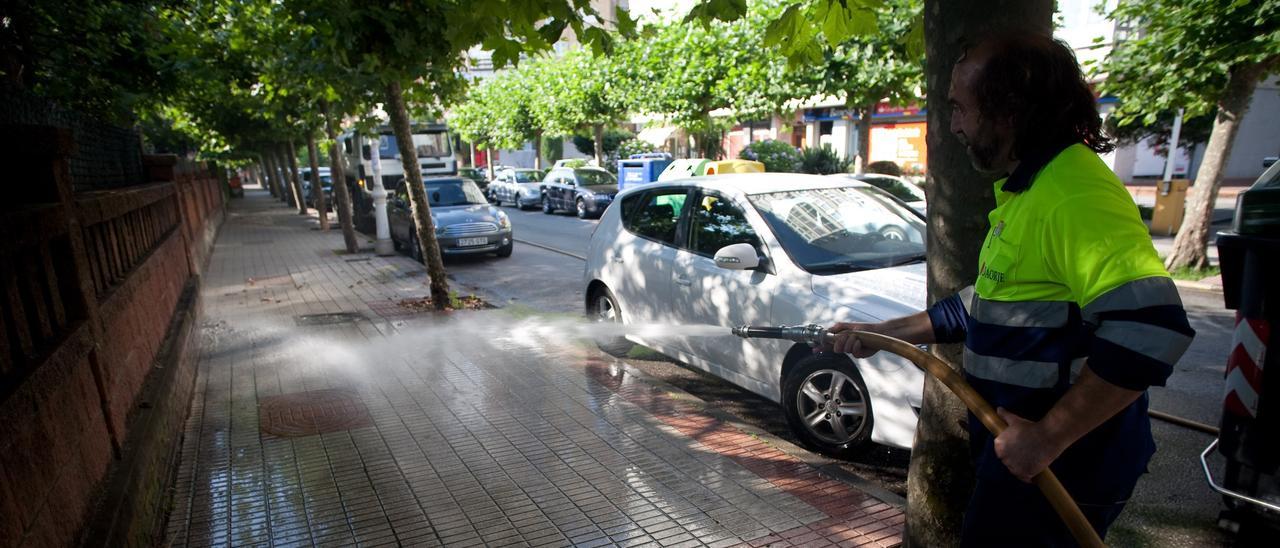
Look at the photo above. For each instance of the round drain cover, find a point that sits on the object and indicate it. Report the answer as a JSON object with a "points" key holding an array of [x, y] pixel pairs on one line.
{"points": [[311, 413]]}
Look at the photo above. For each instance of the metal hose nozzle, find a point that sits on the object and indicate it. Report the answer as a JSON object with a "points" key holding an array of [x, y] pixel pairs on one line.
{"points": [[812, 334]]}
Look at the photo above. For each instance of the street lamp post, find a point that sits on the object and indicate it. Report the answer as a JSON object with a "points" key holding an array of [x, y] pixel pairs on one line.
{"points": [[382, 245]]}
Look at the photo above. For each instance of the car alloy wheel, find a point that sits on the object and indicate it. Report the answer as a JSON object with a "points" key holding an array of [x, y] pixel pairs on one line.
{"points": [[581, 206], [602, 307], [827, 405], [546, 206]]}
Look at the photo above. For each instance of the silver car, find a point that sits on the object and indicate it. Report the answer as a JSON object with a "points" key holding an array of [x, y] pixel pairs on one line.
{"points": [[516, 186], [465, 222]]}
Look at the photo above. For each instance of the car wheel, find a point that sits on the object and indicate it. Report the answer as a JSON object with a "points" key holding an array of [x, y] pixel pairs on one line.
{"points": [[505, 251], [827, 406], [546, 206], [894, 233], [602, 307]]}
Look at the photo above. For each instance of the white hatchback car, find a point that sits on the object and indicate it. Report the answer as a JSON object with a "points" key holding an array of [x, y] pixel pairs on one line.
{"points": [[828, 250]]}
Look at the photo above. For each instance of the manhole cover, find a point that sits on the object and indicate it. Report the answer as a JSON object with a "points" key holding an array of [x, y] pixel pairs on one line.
{"points": [[311, 413], [328, 318]]}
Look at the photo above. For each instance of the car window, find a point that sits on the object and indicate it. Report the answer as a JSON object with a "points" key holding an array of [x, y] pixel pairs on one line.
{"points": [[835, 230], [716, 222], [595, 177], [900, 190], [654, 214], [453, 193], [528, 176]]}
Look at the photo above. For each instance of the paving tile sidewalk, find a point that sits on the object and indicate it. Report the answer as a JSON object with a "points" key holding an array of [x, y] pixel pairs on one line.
{"points": [[327, 416]]}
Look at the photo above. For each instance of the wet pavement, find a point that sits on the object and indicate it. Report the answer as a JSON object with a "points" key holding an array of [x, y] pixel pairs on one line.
{"points": [[328, 414]]}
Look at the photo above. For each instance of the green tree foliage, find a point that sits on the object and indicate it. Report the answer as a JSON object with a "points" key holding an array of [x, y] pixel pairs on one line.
{"points": [[705, 77], [777, 156], [582, 91], [105, 58], [1198, 55], [874, 66]]}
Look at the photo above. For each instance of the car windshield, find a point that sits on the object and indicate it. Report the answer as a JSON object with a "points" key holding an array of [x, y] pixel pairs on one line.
{"points": [[837, 230], [454, 193], [906, 192], [529, 176], [595, 177]]}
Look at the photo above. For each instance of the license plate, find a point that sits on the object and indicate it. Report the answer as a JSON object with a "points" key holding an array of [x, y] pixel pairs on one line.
{"points": [[471, 242]]}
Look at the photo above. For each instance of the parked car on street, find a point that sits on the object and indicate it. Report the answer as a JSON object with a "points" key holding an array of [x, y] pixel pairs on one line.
{"points": [[520, 187], [900, 188], [586, 191], [770, 249], [465, 221], [479, 175], [326, 186]]}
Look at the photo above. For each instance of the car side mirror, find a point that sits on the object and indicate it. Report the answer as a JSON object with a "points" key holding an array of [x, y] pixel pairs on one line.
{"points": [[737, 257]]}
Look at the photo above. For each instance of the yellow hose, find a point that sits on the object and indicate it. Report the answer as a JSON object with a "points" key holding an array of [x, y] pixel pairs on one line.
{"points": [[1048, 483]]}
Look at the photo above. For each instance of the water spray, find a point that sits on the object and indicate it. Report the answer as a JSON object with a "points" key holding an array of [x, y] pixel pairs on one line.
{"points": [[816, 335]]}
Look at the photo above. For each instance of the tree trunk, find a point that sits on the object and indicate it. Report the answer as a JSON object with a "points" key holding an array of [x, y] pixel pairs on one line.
{"points": [[418, 197], [1190, 247], [940, 479], [282, 164], [488, 160], [317, 189], [300, 200], [599, 132], [268, 182], [341, 193], [864, 136], [537, 149]]}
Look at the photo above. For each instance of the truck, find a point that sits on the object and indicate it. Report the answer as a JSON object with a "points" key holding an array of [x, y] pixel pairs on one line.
{"points": [[435, 157]]}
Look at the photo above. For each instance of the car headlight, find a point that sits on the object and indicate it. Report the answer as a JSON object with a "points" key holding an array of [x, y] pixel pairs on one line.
{"points": [[503, 220]]}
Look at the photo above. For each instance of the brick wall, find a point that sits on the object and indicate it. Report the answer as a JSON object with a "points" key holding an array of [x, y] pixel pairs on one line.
{"points": [[96, 315]]}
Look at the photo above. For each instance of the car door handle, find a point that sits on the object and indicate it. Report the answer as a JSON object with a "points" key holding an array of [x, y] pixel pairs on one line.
{"points": [[683, 281]]}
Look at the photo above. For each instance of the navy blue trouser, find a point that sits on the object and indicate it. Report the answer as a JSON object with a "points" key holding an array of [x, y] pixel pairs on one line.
{"points": [[1099, 471]]}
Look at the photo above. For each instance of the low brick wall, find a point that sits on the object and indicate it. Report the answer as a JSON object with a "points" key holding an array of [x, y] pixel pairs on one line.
{"points": [[98, 343], [133, 324]]}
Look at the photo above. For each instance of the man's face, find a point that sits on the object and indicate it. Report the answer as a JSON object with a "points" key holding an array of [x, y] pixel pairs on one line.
{"points": [[988, 147]]}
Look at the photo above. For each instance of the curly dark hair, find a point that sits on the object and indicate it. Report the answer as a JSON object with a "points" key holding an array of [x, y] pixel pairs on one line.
{"points": [[1035, 81]]}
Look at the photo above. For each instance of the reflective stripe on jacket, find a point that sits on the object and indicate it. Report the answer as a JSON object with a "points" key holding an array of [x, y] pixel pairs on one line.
{"points": [[1067, 274]]}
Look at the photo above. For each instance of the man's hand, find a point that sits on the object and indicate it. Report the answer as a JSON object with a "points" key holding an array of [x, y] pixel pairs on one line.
{"points": [[1023, 448], [846, 343]]}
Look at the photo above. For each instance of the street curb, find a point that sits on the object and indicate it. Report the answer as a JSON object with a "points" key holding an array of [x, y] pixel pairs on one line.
{"points": [[824, 465], [1194, 284]]}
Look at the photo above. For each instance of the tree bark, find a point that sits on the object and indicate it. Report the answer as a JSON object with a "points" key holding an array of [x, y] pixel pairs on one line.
{"points": [[341, 193], [317, 189], [300, 200], [269, 182], [940, 479], [537, 149], [282, 164], [423, 224], [1191, 246], [599, 133], [864, 136]]}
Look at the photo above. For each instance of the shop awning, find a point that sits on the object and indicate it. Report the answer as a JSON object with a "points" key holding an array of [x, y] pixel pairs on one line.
{"points": [[657, 136]]}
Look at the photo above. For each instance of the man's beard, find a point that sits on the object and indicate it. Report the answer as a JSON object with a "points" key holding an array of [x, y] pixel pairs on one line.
{"points": [[983, 149]]}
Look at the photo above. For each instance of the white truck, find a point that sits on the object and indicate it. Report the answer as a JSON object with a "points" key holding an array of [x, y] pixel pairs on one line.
{"points": [[435, 157]]}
